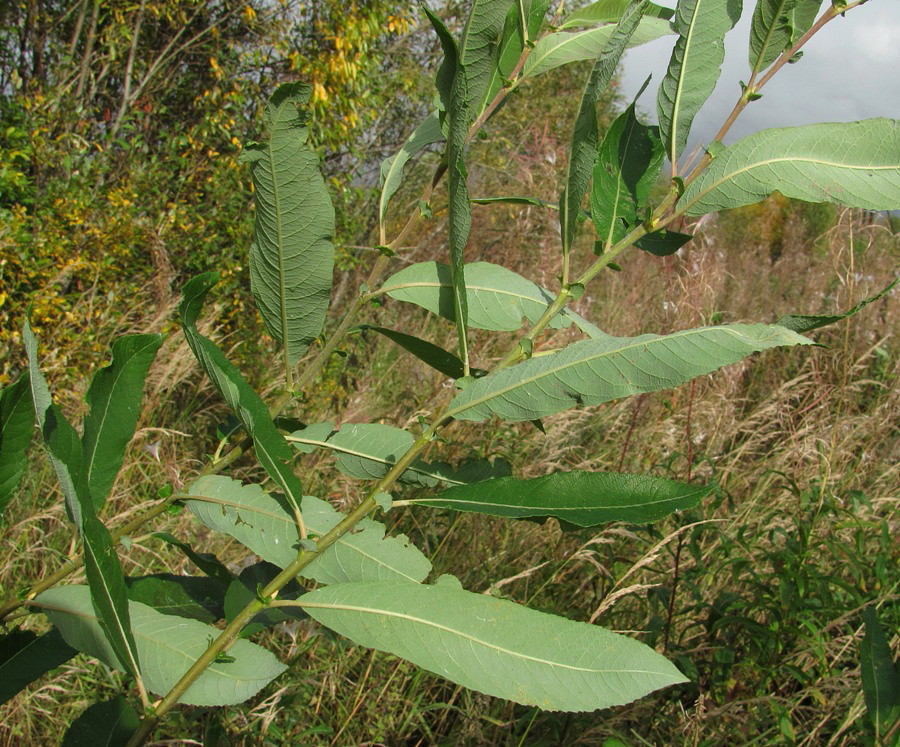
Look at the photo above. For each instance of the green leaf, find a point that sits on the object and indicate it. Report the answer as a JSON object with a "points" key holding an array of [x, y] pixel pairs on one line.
{"points": [[589, 372], [367, 451], [880, 675], [610, 11], [694, 67], [628, 164], [101, 564], [427, 133], [511, 47], [515, 200], [168, 646], [245, 589], [107, 724], [436, 357], [114, 399], [292, 257], [261, 522], [447, 71], [584, 499], [271, 449], [495, 646], [563, 47], [853, 164], [802, 17], [477, 58], [770, 32], [196, 597], [25, 656], [16, 429], [585, 135], [663, 242], [806, 323], [500, 298]]}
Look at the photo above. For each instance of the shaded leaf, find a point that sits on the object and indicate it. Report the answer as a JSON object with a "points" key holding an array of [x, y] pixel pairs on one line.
{"points": [[495, 646], [114, 398], [694, 67], [107, 724], [16, 429], [447, 71], [499, 297], [168, 645], [802, 323], [261, 522], [584, 499], [436, 357], [585, 135], [271, 449], [853, 164], [101, 564], [367, 451], [563, 47], [663, 242], [25, 656], [246, 588], [628, 164], [205, 561], [880, 675], [536, 201], [589, 372], [427, 133], [802, 17], [292, 257], [770, 32], [195, 597]]}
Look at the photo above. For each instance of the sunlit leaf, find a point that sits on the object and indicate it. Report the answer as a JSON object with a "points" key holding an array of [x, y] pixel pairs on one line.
{"points": [[770, 32], [853, 164], [610, 11], [589, 372], [803, 323], [581, 498], [494, 646], [168, 645], [292, 258]]}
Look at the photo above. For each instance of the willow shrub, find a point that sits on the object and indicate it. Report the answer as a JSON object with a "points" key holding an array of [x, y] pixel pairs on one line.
{"points": [[340, 569]]}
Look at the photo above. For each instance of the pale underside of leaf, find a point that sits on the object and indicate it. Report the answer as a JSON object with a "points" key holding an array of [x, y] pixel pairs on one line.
{"points": [[494, 646], [854, 164], [167, 645]]}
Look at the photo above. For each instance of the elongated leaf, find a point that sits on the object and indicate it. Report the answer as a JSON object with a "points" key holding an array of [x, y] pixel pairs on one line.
{"points": [[367, 451], [584, 499], [628, 164], [511, 43], [495, 646], [246, 588], [803, 16], [589, 372], [107, 724], [447, 71], [500, 298], [515, 200], [271, 449], [853, 164], [585, 136], [806, 323], [563, 47], [114, 399], [694, 67], [436, 357], [610, 11], [262, 523], [663, 242], [101, 564], [25, 656], [168, 645], [197, 597], [477, 58], [16, 429], [771, 32], [292, 258], [880, 675], [427, 133], [205, 561]]}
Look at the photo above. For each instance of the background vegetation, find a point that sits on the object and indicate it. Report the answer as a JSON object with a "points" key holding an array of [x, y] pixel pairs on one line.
{"points": [[120, 126]]}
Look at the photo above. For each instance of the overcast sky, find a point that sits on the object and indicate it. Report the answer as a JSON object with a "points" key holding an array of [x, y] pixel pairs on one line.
{"points": [[850, 70]]}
